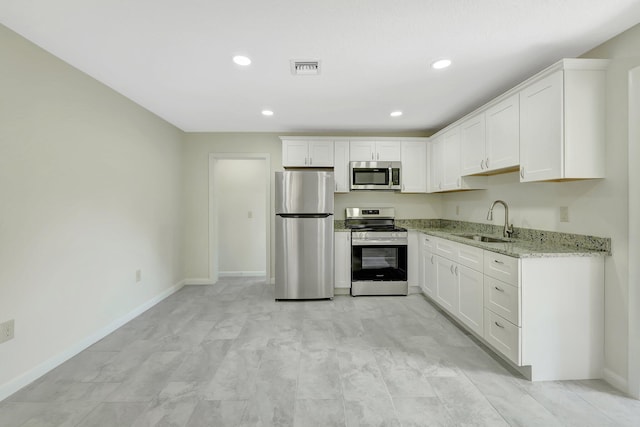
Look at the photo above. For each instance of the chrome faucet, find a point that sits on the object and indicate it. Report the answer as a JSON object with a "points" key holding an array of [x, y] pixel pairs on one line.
{"points": [[508, 229]]}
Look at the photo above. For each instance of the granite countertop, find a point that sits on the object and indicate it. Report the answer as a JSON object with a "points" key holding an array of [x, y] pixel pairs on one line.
{"points": [[526, 243], [517, 247]]}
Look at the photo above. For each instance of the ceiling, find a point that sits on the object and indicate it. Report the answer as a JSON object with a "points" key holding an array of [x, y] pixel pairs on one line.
{"points": [[174, 57]]}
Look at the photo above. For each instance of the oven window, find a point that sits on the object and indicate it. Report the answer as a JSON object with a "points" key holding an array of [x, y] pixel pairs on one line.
{"points": [[385, 263], [371, 176], [373, 258]]}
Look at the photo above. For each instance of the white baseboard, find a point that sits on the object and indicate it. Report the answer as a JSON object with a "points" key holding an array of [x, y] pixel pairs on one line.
{"points": [[615, 380], [7, 389], [342, 291], [242, 273], [199, 282]]}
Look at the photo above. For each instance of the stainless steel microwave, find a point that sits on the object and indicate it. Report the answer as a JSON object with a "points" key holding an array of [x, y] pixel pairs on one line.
{"points": [[375, 175]]}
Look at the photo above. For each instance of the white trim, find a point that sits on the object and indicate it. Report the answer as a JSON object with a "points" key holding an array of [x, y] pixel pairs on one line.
{"points": [[242, 273], [633, 361], [12, 386], [195, 281], [213, 259], [614, 379]]}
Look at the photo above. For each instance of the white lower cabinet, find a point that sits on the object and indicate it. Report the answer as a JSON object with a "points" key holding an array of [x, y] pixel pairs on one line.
{"points": [[446, 284], [545, 315], [503, 336], [471, 301], [342, 263], [427, 266]]}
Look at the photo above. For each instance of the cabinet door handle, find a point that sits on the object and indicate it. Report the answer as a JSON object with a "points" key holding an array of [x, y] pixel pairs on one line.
{"points": [[481, 164], [498, 261], [498, 325], [456, 270], [486, 163], [377, 156], [451, 268], [522, 172], [431, 259], [498, 289], [310, 160], [305, 161]]}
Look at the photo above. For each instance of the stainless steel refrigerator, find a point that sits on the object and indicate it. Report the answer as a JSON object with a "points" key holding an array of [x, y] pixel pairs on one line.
{"points": [[304, 235]]}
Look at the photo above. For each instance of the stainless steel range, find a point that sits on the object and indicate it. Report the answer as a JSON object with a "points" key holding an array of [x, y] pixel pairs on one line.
{"points": [[378, 252]]}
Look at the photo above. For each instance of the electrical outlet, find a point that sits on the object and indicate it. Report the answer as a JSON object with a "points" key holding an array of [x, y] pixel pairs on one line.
{"points": [[7, 330], [564, 214], [457, 209], [138, 276], [250, 214]]}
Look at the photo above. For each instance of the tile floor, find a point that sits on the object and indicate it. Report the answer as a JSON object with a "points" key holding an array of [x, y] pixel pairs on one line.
{"points": [[229, 355]]}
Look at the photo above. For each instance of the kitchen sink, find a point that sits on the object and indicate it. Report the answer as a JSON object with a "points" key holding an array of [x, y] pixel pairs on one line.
{"points": [[486, 239]]}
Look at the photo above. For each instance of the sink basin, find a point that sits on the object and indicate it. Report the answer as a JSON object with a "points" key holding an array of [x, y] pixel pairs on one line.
{"points": [[485, 239]]}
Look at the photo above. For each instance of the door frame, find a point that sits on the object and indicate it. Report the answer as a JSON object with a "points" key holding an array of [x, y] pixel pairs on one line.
{"points": [[633, 361], [213, 238]]}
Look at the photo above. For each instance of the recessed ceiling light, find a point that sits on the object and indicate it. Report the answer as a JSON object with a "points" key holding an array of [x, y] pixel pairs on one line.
{"points": [[396, 114], [440, 64], [241, 60], [267, 113]]}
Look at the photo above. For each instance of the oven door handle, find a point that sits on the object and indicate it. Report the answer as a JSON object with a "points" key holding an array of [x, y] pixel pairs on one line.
{"points": [[402, 242]]}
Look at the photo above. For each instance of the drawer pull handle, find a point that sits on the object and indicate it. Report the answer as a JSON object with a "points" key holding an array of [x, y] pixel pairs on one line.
{"points": [[499, 325], [498, 261], [451, 268], [426, 240], [498, 289], [456, 270]]}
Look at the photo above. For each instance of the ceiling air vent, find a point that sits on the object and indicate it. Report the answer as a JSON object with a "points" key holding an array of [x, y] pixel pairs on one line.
{"points": [[305, 68]]}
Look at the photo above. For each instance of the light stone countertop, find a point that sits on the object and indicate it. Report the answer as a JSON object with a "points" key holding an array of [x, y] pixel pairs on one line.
{"points": [[516, 247], [527, 243]]}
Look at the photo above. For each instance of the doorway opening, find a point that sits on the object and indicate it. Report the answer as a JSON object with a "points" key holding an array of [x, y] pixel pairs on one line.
{"points": [[239, 221]]}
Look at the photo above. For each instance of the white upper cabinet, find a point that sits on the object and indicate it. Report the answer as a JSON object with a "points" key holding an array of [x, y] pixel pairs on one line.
{"points": [[562, 122], [472, 145], [414, 166], [541, 129], [341, 166], [434, 178], [444, 165], [451, 159], [490, 140], [307, 153], [503, 135], [367, 151]]}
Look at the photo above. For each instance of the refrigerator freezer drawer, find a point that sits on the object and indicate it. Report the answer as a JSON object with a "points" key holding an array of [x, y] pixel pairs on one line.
{"points": [[304, 258]]}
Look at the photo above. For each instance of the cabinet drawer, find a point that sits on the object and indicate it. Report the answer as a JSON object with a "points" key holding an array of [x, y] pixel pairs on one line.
{"points": [[447, 249], [471, 257], [428, 242], [502, 335], [502, 299], [501, 267]]}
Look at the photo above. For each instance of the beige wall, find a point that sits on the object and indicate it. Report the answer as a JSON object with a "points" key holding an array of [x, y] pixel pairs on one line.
{"points": [[596, 207], [196, 189], [90, 186], [196, 169]]}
